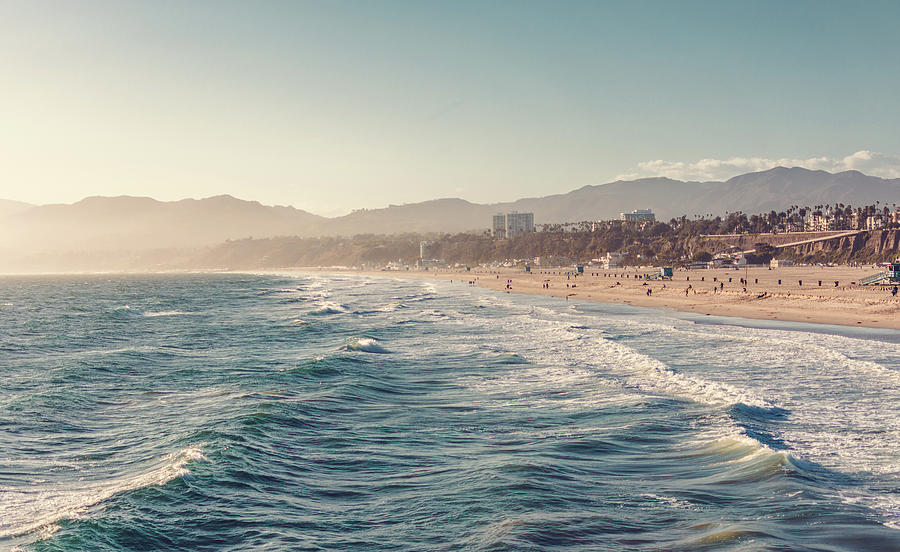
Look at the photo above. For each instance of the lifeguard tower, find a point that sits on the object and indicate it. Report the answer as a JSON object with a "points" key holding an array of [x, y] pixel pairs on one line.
{"points": [[890, 276], [665, 273]]}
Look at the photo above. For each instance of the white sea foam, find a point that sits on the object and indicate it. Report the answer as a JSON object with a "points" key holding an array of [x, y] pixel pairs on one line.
{"points": [[429, 288], [366, 345], [653, 375], [781, 348], [671, 501], [552, 340], [839, 394], [834, 394], [165, 313], [114, 351], [24, 511], [328, 307], [839, 391]]}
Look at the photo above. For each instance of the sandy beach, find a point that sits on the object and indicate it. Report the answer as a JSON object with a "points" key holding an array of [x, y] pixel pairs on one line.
{"points": [[799, 297]]}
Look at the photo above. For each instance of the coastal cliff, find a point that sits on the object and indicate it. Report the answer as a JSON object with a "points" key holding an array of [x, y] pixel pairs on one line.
{"points": [[872, 246]]}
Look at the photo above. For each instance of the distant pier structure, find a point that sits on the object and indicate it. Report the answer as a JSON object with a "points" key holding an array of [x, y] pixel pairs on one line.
{"points": [[638, 215], [513, 224]]}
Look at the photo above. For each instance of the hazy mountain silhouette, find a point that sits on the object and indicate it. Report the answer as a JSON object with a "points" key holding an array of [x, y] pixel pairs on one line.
{"points": [[140, 223], [9, 207], [758, 192], [437, 215]]}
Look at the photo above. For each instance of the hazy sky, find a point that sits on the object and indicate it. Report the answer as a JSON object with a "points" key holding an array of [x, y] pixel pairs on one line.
{"points": [[331, 106]]}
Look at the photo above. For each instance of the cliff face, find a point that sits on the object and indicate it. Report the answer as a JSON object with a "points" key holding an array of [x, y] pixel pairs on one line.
{"points": [[874, 246], [885, 242], [865, 247], [748, 241]]}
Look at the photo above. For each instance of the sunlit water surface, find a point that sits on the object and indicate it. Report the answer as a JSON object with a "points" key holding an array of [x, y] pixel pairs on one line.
{"points": [[265, 412]]}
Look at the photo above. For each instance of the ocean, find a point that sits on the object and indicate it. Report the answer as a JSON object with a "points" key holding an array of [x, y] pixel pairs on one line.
{"points": [[250, 412]]}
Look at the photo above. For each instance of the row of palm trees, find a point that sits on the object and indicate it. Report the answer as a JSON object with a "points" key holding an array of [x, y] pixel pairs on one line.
{"points": [[841, 217]]}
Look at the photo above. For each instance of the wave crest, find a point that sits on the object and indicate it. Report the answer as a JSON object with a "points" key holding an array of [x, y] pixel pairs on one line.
{"points": [[326, 308], [366, 345], [25, 511]]}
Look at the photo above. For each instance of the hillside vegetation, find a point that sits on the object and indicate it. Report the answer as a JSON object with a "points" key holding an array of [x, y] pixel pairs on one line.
{"points": [[679, 241]]}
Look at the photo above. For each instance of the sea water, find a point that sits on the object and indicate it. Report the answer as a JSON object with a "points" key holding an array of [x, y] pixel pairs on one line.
{"points": [[314, 412]]}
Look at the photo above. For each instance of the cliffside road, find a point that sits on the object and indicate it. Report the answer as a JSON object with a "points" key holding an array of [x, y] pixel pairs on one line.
{"points": [[813, 240]]}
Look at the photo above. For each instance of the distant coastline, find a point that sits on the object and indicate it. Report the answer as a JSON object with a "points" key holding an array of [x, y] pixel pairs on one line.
{"points": [[792, 301], [799, 297]]}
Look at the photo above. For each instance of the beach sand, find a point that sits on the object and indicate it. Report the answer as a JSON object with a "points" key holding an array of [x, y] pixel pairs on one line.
{"points": [[798, 298]]}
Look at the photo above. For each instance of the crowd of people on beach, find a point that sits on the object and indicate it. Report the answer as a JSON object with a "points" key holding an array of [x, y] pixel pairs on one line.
{"points": [[717, 288]]}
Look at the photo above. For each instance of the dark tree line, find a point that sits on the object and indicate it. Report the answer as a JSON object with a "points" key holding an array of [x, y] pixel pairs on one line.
{"points": [[677, 241]]}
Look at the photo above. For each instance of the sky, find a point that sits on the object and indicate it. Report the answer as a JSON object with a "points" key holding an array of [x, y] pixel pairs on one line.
{"points": [[336, 105]]}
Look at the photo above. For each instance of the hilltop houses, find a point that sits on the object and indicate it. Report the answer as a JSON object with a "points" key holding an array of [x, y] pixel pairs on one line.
{"points": [[820, 223], [821, 218], [874, 222], [860, 219]]}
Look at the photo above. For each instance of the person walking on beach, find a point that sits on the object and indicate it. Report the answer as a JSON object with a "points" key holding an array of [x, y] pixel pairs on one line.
{"points": [[894, 291]]}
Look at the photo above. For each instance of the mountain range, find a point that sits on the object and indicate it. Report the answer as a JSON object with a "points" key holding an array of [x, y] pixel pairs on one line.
{"points": [[140, 224], [8, 207]]}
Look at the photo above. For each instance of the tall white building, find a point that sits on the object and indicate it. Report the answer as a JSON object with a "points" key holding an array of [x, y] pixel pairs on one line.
{"points": [[638, 215], [519, 223], [512, 224], [498, 227]]}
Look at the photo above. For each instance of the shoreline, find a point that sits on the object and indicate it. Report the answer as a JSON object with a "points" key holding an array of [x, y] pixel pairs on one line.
{"points": [[799, 297]]}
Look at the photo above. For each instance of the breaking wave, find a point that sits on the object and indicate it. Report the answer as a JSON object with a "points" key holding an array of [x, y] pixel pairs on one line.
{"points": [[23, 512], [327, 308], [366, 345]]}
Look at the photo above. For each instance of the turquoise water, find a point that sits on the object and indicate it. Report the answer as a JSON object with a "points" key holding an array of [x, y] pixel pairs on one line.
{"points": [[265, 412]]}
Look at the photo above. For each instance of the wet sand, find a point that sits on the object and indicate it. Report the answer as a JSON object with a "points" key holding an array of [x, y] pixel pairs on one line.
{"points": [[798, 298]]}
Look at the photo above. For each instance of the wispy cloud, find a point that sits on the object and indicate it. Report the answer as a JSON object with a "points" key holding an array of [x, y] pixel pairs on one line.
{"points": [[868, 162]]}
